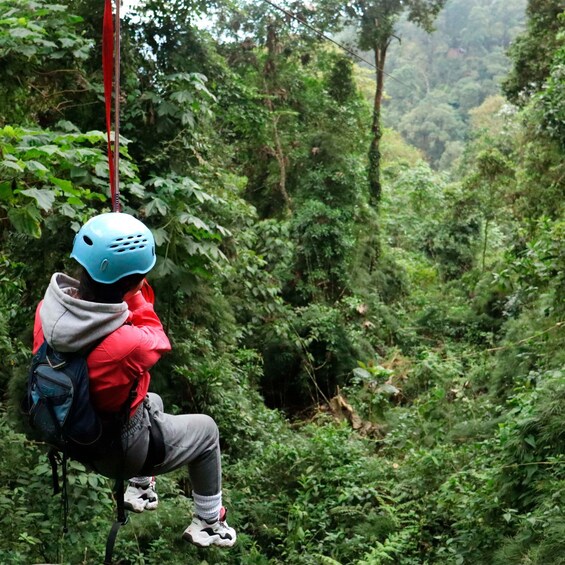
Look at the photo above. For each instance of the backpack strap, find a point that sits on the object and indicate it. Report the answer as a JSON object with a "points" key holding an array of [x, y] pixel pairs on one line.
{"points": [[65, 493], [52, 456]]}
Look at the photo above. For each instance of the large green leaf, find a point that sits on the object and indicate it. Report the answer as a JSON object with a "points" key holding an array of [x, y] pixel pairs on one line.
{"points": [[156, 206], [5, 191], [65, 185], [36, 166], [44, 197], [12, 165], [26, 220]]}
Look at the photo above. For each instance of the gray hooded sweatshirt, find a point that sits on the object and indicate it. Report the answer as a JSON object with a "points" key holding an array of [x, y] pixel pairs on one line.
{"points": [[71, 324]]}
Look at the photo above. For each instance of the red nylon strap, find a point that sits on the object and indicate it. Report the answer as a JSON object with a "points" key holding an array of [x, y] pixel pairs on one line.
{"points": [[108, 72]]}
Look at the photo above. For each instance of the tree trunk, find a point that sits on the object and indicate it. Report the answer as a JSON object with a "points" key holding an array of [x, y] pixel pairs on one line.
{"points": [[376, 130], [270, 77], [281, 159], [485, 243]]}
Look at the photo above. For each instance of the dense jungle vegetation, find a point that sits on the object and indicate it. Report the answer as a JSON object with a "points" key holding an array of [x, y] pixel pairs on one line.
{"points": [[386, 370]]}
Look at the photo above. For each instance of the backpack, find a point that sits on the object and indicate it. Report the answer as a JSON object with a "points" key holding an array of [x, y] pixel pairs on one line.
{"points": [[59, 407], [61, 415]]}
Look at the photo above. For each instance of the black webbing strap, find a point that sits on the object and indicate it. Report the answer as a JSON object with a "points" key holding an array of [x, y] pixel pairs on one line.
{"points": [[52, 456], [122, 515], [65, 494], [53, 460], [120, 521]]}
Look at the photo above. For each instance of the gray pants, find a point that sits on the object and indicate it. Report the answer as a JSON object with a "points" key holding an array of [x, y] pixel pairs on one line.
{"points": [[190, 439]]}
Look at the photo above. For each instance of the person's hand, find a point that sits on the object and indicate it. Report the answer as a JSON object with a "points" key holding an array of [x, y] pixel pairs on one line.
{"points": [[131, 293], [147, 292]]}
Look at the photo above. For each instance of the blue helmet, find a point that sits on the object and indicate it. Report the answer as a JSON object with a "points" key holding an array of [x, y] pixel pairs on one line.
{"points": [[113, 245]]}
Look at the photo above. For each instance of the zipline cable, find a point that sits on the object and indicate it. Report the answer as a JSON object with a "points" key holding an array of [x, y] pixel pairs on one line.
{"points": [[327, 38]]}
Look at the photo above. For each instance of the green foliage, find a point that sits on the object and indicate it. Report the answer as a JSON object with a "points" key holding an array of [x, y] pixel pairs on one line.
{"points": [[534, 443], [438, 320], [539, 190], [52, 171], [341, 85], [376, 20], [324, 243], [443, 77], [189, 243], [413, 207], [31, 521], [532, 52], [540, 266], [428, 217], [308, 352], [224, 386], [164, 121], [323, 510], [432, 127], [37, 40], [552, 99]]}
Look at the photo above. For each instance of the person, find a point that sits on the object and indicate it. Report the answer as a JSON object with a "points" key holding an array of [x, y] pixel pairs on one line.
{"points": [[109, 315]]}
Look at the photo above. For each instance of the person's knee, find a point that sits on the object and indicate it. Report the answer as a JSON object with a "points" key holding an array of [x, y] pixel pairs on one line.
{"points": [[211, 428], [156, 401]]}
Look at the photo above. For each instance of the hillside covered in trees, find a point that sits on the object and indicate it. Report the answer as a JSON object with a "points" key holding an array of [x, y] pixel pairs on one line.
{"points": [[362, 274]]}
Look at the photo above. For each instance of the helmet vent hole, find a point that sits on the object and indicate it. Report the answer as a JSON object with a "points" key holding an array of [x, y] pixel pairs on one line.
{"points": [[87, 240]]}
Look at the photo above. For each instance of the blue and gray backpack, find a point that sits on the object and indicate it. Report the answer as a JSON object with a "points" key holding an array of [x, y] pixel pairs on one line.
{"points": [[58, 400]]}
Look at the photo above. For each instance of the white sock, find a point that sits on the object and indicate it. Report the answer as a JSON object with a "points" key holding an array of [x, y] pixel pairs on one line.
{"points": [[142, 482], [207, 507]]}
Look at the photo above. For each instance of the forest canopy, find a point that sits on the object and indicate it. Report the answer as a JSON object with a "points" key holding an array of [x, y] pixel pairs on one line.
{"points": [[385, 362]]}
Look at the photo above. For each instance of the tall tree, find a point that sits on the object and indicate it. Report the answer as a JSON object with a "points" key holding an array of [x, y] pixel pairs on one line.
{"points": [[376, 21]]}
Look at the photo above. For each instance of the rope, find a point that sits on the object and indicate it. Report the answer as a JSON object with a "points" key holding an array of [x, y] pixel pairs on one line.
{"points": [[111, 72], [116, 196], [107, 70]]}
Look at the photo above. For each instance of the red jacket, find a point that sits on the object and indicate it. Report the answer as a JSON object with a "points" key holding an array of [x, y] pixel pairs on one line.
{"points": [[124, 355]]}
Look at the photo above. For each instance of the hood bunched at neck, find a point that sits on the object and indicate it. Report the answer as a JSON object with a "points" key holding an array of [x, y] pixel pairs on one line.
{"points": [[71, 324]]}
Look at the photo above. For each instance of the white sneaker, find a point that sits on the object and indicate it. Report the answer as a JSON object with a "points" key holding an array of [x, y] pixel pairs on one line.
{"points": [[203, 533], [139, 496]]}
